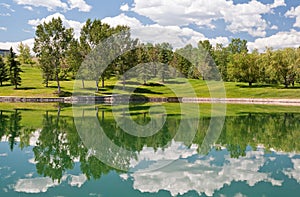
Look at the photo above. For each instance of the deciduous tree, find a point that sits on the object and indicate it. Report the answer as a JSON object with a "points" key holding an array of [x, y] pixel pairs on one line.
{"points": [[50, 45]]}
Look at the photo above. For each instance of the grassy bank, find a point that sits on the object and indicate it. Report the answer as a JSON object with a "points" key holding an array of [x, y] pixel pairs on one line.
{"points": [[32, 87]]}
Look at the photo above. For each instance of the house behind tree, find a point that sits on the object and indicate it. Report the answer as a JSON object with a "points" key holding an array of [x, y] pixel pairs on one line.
{"points": [[4, 52]]}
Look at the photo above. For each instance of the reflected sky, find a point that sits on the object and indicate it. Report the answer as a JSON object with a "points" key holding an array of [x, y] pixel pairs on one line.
{"points": [[216, 174]]}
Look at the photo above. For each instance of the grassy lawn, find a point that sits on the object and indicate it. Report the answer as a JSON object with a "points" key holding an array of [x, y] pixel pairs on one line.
{"points": [[32, 87]]}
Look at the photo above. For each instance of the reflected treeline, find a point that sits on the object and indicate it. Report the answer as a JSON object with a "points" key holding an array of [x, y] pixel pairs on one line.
{"points": [[59, 145]]}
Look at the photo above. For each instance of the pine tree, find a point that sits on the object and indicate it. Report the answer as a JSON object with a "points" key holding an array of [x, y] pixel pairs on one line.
{"points": [[3, 72], [14, 69]]}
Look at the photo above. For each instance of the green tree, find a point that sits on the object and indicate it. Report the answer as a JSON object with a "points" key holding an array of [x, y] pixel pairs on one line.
{"points": [[165, 57], [206, 62], [92, 33], [237, 46], [221, 57], [50, 45], [125, 46], [244, 67], [144, 70], [74, 58], [14, 69], [3, 72], [14, 127], [285, 65], [24, 54]]}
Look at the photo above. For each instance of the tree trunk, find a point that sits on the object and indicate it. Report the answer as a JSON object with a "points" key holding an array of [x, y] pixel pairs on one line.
{"points": [[82, 82], [102, 82], [103, 117], [47, 82], [58, 84], [97, 86], [97, 113], [286, 83], [250, 84], [124, 81]]}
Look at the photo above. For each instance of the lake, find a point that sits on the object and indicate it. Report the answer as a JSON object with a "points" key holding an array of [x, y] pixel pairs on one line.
{"points": [[149, 150]]}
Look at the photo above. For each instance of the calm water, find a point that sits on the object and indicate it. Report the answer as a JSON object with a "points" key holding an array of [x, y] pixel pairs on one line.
{"points": [[43, 153]]}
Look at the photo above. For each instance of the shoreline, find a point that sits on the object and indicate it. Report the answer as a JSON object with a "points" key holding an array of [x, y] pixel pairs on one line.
{"points": [[123, 99]]}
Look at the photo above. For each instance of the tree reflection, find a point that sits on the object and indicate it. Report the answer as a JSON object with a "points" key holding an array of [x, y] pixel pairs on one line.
{"points": [[59, 145]]}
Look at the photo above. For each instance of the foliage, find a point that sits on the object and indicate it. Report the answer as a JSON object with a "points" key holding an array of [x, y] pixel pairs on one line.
{"points": [[14, 69], [3, 71], [24, 54], [50, 45]]}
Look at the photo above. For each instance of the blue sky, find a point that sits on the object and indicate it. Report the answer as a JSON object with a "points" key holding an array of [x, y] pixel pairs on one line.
{"points": [[272, 23]]}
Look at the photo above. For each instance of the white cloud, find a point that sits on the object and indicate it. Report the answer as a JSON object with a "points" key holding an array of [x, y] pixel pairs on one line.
{"points": [[202, 176], [35, 185], [67, 23], [80, 4], [278, 3], [5, 14], [28, 8], [294, 13], [14, 45], [155, 33], [3, 155], [3, 28], [246, 17], [51, 5], [277, 41], [77, 181], [295, 172], [124, 7], [7, 6]]}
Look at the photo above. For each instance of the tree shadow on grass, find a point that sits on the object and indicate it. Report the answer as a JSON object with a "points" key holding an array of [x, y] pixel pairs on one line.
{"points": [[153, 84], [257, 86], [25, 88], [145, 91], [175, 82]]}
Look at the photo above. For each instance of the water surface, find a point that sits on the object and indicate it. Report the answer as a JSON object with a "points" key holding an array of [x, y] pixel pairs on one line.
{"points": [[43, 154]]}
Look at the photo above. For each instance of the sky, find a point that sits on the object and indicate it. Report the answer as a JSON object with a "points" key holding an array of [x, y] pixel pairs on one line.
{"points": [[263, 23]]}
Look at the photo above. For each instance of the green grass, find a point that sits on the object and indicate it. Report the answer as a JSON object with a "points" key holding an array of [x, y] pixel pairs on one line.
{"points": [[32, 87]]}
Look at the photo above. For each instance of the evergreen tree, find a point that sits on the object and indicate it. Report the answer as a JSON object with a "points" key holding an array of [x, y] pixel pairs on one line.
{"points": [[14, 69], [3, 72]]}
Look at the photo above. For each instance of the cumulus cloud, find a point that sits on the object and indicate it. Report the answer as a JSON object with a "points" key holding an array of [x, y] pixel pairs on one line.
{"points": [[294, 13], [155, 33], [77, 181], [67, 23], [42, 184], [246, 17], [202, 175], [278, 3], [28, 8], [35, 185], [14, 45], [277, 41], [124, 7], [295, 172], [53, 5], [80, 4]]}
